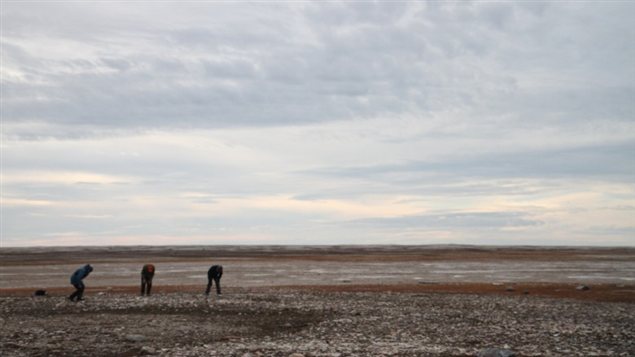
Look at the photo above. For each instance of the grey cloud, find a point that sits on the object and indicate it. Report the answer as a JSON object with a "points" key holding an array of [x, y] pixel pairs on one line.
{"points": [[467, 220], [619, 231], [606, 161], [331, 62]]}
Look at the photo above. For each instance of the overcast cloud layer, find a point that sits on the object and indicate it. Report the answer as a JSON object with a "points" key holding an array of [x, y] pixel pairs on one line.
{"points": [[318, 123]]}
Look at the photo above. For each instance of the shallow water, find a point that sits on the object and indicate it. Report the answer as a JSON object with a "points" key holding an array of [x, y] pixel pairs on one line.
{"points": [[267, 273]]}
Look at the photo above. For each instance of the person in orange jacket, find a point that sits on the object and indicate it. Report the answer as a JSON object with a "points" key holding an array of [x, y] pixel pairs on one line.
{"points": [[147, 273]]}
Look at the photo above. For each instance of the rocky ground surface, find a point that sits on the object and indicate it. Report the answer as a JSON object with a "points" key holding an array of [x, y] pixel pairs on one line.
{"points": [[297, 323]]}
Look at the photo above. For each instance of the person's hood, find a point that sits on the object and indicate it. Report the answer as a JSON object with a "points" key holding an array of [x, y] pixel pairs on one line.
{"points": [[88, 268]]}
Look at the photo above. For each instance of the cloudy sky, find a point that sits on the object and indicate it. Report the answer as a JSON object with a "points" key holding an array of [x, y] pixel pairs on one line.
{"points": [[196, 122]]}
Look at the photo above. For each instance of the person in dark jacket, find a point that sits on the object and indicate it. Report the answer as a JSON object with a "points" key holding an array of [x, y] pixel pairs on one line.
{"points": [[147, 273], [213, 276], [77, 281]]}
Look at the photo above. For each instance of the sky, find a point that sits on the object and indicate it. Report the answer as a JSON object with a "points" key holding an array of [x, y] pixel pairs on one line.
{"points": [[292, 122]]}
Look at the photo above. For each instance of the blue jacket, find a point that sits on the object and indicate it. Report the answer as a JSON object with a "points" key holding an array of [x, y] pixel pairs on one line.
{"points": [[80, 274]]}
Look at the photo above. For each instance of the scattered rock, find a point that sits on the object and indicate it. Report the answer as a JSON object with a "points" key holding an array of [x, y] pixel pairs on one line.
{"points": [[510, 289], [251, 323], [583, 288]]}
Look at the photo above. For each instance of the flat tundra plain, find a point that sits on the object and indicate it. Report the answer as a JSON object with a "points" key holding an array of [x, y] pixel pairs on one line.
{"points": [[321, 301]]}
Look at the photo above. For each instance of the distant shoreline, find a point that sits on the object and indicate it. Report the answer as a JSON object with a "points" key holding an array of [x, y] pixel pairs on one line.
{"points": [[66, 255], [316, 246]]}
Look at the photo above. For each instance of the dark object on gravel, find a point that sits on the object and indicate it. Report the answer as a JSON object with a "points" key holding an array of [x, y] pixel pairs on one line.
{"points": [[583, 288], [39, 292], [496, 352]]}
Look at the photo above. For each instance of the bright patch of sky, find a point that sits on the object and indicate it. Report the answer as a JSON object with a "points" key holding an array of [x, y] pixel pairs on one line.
{"points": [[317, 123]]}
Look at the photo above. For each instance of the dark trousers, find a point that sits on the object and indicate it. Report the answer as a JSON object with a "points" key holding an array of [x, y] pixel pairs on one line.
{"points": [[146, 284], [210, 281], [77, 295]]}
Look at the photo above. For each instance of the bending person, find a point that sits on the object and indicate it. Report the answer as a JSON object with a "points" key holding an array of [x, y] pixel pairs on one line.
{"points": [[147, 273], [213, 276], [77, 281]]}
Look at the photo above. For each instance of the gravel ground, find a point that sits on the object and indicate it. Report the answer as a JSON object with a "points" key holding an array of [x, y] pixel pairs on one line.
{"points": [[297, 323]]}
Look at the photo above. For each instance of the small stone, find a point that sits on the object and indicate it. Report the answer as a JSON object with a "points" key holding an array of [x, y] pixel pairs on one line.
{"points": [[135, 338], [148, 350], [583, 288], [296, 354], [509, 289], [496, 352]]}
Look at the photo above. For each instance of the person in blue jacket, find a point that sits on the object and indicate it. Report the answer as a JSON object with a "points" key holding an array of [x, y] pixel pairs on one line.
{"points": [[76, 280]]}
